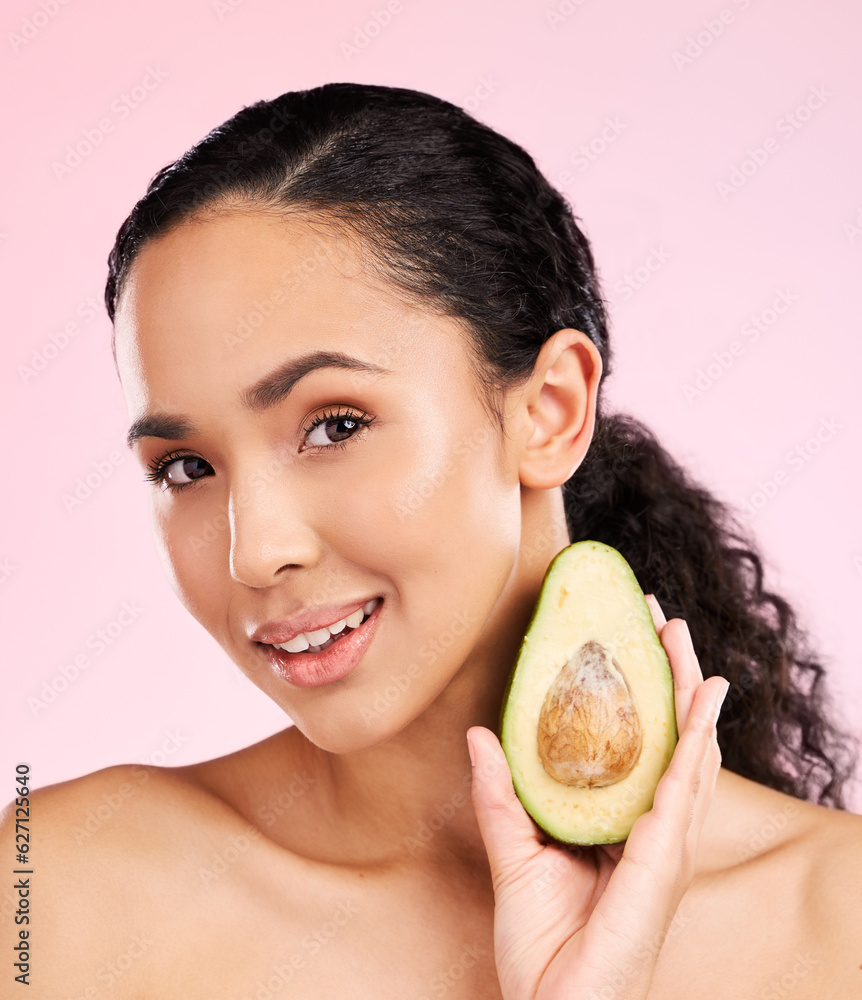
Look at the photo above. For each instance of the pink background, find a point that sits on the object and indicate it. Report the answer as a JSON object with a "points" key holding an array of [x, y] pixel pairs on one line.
{"points": [[667, 98]]}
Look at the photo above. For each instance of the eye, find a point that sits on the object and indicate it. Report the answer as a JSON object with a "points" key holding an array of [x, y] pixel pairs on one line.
{"points": [[335, 428], [175, 471]]}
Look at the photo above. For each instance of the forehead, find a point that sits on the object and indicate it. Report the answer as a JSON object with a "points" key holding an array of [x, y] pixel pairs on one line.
{"points": [[225, 295]]}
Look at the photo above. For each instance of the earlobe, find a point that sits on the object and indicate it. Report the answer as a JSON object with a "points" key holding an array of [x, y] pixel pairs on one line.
{"points": [[560, 406]]}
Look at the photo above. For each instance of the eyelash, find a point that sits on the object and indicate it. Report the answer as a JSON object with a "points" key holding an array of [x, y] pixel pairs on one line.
{"points": [[158, 466]]}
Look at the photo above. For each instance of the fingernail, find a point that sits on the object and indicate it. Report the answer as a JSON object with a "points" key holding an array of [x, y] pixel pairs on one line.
{"points": [[652, 601], [719, 700], [470, 751]]}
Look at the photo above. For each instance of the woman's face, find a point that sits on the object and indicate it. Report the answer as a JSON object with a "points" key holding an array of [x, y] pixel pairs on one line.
{"points": [[325, 489]]}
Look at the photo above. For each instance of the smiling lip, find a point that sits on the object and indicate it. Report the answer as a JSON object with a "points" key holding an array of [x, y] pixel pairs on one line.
{"points": [[305, 621], [331, 664]]}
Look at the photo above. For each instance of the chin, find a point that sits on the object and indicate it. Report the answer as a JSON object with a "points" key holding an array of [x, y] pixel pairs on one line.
{"points": [[343, 733]]}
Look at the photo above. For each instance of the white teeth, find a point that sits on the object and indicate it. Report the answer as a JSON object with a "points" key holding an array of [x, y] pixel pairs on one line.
{"points": [[319, 638], [295, 645]]}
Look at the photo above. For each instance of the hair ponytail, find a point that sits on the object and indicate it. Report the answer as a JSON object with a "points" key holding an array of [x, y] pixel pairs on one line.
{"points": [[459, 215]]}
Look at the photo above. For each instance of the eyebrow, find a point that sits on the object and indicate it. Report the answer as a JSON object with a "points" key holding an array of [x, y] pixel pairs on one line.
{"points": [[264, 394]]}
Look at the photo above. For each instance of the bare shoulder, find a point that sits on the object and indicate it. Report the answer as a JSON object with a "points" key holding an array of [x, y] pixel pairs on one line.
{"points": [[74, 824], [833, 843], [776, 908], [114, 856], [830, 850], [78, 824]]}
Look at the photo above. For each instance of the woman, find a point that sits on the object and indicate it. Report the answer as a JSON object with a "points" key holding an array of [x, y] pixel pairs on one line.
{"points": [[362, 344]]}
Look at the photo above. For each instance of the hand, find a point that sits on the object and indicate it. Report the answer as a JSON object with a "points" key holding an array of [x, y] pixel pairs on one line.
{"points": [[587, 923]]}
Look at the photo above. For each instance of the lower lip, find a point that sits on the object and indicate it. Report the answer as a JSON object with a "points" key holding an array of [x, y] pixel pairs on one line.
{"points": [[314, 669]]}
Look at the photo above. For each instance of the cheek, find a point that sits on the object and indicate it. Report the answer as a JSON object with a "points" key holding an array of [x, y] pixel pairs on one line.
{"points": [[432, 478], [443, 518], [461, 492], [194, 549]]}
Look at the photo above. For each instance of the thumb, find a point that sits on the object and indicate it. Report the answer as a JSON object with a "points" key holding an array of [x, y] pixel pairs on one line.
{"points": [[510, 835]]}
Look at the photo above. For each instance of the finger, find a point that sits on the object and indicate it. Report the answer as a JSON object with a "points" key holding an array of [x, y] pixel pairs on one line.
{"points": [[511, 837], [613, 851], [704, 797], [657, 864], [658, 617], [684, 792], [687, 678], [685, 667], [709, 777]]}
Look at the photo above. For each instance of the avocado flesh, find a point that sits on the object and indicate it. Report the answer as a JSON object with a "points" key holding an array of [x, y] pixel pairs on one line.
{"points": [[588, 721]]}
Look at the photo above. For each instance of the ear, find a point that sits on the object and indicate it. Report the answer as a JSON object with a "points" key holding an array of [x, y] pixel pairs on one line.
{"points": [[558, 409]]}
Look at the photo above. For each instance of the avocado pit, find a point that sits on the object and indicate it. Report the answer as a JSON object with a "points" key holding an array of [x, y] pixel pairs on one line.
{"points": [[589, 732]]}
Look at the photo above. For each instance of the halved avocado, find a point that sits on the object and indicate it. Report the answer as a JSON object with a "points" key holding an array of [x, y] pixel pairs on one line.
{"points": [[588, 722]]}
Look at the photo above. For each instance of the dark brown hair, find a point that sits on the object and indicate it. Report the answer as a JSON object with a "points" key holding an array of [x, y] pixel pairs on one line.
{"points": [[458, 215]]}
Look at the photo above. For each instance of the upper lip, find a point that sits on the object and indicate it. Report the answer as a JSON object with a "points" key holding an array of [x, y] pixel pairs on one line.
{"points": [[308, 620]]}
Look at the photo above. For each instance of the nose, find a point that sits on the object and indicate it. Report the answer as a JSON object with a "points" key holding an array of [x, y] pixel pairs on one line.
{"points": [[269, 533]]}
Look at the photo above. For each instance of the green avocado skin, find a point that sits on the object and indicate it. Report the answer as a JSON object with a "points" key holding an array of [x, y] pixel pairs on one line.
{"points": [[595, 838]]}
